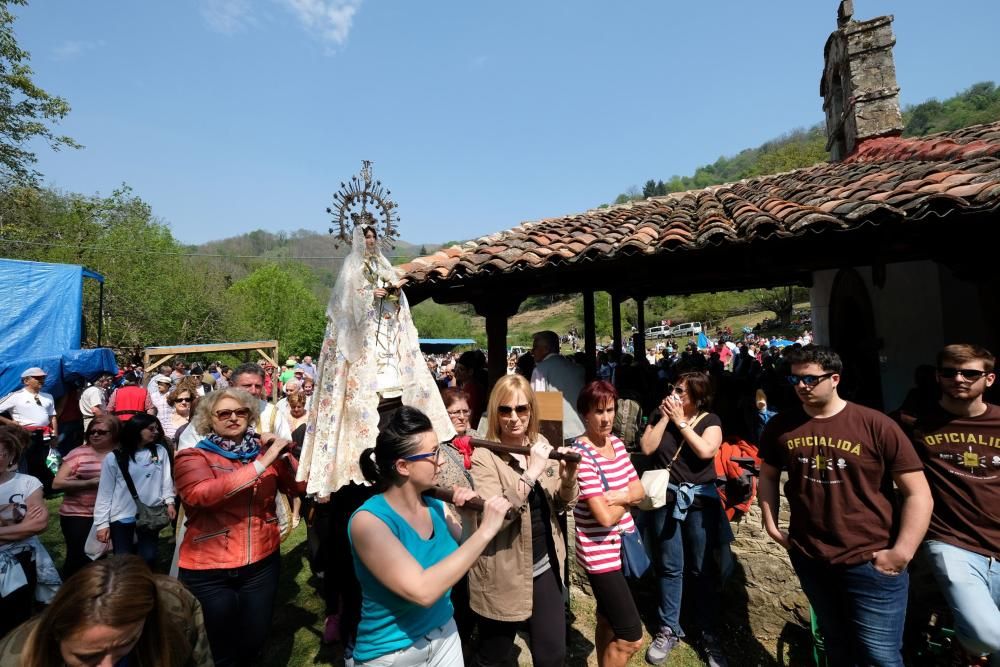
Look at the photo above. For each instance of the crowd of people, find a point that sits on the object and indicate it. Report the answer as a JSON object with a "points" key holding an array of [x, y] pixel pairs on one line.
{"points": [[409, 579]]}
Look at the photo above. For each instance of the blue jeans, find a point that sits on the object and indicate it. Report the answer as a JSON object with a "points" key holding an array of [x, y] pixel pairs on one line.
{"points": [[127, 539], [688, 547], [860, 611], [971, 585], [237, 604]]}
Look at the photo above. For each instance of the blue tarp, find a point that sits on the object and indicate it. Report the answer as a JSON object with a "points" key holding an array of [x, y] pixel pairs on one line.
{"points": [[41, 307], [40, 313], [70, 366]]}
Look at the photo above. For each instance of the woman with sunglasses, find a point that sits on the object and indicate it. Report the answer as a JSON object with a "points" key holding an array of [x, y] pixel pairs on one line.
{"points": [[148, 464], [691, 527], [229, 556], [406, 549], [78, 479], [181, 400], [517, 582]]}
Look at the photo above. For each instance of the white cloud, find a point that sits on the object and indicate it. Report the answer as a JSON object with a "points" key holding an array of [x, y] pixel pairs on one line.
{"points": [[72, 49], [228, 16], [330, 20]]}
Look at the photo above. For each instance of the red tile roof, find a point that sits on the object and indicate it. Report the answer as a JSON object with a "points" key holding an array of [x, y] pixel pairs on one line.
{"points": [[885, 181]]}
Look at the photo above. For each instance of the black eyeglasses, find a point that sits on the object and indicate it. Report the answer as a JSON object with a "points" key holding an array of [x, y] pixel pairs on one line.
{"points": [[970, 374], [680, 391], [182, 400], [460, 413], [98, 431], [519, 409], [808, 380]]}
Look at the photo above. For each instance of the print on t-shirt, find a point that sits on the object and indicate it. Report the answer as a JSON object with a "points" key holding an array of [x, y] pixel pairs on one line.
{"points": [[826, 454]]}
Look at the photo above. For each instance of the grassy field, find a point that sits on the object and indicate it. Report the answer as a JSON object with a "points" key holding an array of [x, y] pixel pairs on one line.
{"points": [[298, 615], [561, 317]]}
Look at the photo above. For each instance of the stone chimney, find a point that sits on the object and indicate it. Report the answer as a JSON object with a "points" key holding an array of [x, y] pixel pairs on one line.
{"points": [[859, 90]]}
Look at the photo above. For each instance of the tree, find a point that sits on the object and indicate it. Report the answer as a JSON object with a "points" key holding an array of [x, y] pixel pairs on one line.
{"points": [[27, 111], [435, 320], [275, 302], [780, 300]]}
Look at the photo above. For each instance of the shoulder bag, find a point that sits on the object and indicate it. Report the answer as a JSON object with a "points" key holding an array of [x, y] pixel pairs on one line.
{"points": [[655, 482], [635, 560], [153, 518]]}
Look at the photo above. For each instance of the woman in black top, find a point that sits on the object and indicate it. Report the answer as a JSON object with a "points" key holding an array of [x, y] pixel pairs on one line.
{"points": [[684, 436]]}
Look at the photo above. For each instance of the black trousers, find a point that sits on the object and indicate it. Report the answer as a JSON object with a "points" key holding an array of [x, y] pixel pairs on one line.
{"points": [[546, 628], [75, 530], [17, 607], [237, 606]]}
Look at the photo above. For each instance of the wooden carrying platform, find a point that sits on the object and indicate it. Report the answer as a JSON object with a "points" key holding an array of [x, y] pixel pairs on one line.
{"points": [[550, 416]]}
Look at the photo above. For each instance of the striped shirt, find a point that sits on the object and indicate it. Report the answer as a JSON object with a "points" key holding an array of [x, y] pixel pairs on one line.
{"points": [[598, 549], [88, 466]]}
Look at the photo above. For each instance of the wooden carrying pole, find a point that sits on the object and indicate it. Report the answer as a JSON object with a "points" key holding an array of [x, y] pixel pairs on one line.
{"points": [[476, 503], [500, 448]]}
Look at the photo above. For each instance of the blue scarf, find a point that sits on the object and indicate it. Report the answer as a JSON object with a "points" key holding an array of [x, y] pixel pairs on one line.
{"points": [[244, 451]]}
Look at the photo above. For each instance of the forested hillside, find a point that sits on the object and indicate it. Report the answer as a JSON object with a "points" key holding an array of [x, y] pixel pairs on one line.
{"points": [[805, 147]]}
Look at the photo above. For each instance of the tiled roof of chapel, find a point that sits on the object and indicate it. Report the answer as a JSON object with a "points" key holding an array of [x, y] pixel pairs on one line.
{"points": [[886, 181]]}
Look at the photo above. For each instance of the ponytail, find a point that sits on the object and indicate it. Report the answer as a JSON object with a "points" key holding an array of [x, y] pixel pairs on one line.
{"points": [[398, 438]]}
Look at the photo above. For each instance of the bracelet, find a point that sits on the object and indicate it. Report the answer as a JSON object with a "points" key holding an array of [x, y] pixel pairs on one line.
{"points": [[529, 482]]}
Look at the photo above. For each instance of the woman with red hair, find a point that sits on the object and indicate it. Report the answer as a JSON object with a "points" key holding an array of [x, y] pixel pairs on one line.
{"points": [[609, 488]]}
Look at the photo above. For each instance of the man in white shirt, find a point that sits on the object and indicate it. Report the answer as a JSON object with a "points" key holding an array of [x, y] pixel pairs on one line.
{"points": [[249, 378], [554, 372], [158, 396], [35, 411], [94, 400]]}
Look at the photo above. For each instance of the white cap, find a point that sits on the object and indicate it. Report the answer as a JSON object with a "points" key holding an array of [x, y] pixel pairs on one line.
{"points": [[34, 371], [160, 378]]}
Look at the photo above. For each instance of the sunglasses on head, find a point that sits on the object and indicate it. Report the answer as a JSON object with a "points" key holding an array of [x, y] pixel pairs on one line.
{"points": [[970, 374], [239, 413], [519, 409], [807, 380]]}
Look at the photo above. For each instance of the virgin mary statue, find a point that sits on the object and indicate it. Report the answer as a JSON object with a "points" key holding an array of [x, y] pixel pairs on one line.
{"points": [[370, 363]]}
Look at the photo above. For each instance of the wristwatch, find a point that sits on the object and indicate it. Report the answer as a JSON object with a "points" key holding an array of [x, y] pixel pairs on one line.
{"points": [[682, 425]]}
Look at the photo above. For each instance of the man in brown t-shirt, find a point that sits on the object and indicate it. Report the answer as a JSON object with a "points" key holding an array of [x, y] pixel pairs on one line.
{"points": [[848, 551], [959, 442]]}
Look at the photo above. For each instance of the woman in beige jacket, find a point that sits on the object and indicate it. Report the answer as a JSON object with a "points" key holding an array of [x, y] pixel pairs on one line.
{"points": [[517, 582]]}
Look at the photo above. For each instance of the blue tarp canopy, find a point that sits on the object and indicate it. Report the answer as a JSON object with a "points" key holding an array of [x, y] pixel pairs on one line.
{"points": [[40, 320], [443, 344]]}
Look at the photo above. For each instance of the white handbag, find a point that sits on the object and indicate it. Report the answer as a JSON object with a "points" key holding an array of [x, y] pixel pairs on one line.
{"points": [[655, 482]]}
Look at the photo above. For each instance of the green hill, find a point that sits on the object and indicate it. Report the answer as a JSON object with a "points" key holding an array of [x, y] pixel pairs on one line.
{"points": [[980, 103]]}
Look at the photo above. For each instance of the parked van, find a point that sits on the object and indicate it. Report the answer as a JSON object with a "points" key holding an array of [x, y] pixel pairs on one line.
{"points": [[686, 330], [652, 333]]}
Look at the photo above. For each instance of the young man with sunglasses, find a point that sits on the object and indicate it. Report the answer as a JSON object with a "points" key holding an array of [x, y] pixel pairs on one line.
{"points": [[846, 545], [959, 442]]}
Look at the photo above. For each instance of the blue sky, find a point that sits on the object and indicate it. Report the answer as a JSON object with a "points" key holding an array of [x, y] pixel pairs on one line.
{"points": [[234, 115]]}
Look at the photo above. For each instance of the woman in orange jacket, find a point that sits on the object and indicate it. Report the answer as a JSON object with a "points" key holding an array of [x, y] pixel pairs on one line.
{"points": [[230, 554]]}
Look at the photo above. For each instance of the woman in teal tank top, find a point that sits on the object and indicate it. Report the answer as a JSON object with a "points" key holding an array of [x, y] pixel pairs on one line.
{"points": [[406, 550]]}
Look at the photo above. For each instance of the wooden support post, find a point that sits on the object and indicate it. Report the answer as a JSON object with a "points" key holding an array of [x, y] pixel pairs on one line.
{"points": [[589, 336], [640, 337], [496, 312], [616, 323]]}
